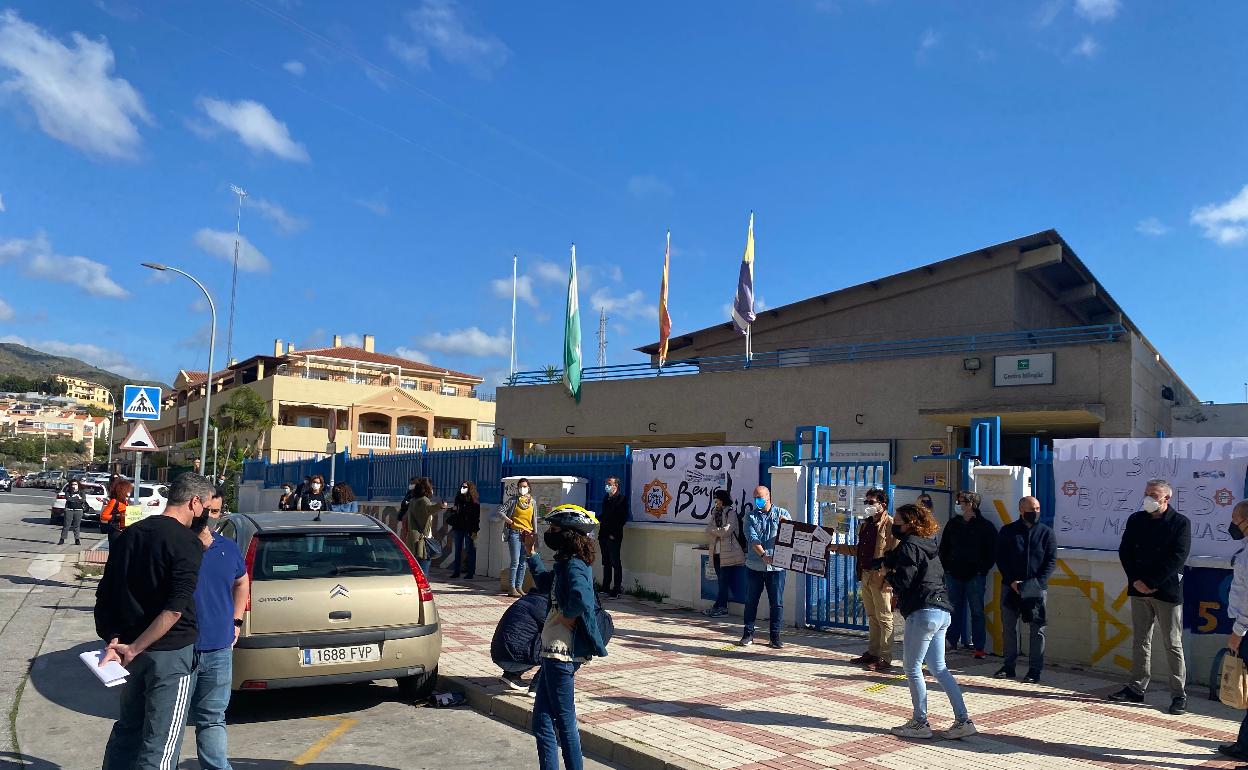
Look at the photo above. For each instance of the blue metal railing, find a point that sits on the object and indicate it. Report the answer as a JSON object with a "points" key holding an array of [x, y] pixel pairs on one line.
{"points": [[865, 351]]}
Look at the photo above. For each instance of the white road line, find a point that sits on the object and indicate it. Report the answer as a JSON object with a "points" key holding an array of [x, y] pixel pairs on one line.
{"points": [[18, 494]]}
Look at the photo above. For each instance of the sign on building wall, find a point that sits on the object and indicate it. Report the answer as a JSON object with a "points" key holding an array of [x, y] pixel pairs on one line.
{"points": [[1033, 369], [674, 486], [1100, 482]]}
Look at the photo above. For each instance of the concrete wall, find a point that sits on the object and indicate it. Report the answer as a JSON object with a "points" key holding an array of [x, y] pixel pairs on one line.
{"points": [[1150, 412], [1209, 420], [862, 400]]}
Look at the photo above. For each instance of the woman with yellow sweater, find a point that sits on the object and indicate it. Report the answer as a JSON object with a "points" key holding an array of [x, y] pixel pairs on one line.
{"points": [[517, 515]]}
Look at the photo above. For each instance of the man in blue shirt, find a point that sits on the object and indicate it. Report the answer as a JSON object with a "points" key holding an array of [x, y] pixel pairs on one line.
{"points": [[220, 601], [762, 524]]}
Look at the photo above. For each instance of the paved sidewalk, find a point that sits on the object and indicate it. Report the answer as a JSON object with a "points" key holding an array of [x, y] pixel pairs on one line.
{"points": [[676, 692]]}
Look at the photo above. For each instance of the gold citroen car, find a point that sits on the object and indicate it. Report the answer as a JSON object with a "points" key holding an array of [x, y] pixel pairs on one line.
{"points": [[334, 599]]}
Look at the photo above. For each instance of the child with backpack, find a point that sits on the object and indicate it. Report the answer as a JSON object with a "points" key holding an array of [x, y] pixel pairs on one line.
{"points": [[725, 531], [572, 634]]}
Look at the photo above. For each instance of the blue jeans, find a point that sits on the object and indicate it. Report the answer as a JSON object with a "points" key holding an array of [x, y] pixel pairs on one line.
{"points": [[464, 542], [208, 702], [961, 594], [727, 576], [925, 641], [554, 716], [755, 582], [518, 565], [424, 565]]}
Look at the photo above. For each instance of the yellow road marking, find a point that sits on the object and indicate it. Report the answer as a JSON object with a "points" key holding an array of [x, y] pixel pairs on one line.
{"points": [[315, 749]]}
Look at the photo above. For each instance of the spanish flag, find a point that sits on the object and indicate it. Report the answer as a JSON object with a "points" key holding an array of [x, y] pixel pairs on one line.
{"points": [[665, 318]]}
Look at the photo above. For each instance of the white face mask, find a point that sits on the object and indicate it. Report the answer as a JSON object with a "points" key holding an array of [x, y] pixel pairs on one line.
{"points": [[316, 487], [871, 509], [463, 490], [285, 490], [410, 487], [1151, 505], [524, 490], [610, 490]]}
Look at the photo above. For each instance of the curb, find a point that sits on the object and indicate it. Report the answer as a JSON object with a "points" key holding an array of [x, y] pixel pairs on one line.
{"points": [[517, 710]]}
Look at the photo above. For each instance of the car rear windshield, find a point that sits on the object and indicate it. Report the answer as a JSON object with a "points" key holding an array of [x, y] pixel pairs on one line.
{"points": [[288, 557]]}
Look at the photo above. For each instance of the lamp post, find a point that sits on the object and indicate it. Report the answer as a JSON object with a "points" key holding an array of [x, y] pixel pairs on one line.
{"points": [[212, 343], [112, 413]]}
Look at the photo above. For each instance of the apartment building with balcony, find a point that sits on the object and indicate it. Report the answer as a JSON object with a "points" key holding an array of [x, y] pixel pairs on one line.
{"points": [[376, 402], [20, 417], [85, 391]]}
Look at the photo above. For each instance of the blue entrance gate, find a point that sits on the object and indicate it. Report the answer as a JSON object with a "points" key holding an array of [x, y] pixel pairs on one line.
{"points": [[834, 493]]}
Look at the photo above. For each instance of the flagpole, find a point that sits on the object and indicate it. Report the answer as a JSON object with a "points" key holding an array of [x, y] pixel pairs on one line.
{"points": [[749, 330], [513, 314]]}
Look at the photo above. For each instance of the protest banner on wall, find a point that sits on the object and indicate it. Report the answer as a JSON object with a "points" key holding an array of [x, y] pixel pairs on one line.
{"points": [[1100, 483], [674, 486]]}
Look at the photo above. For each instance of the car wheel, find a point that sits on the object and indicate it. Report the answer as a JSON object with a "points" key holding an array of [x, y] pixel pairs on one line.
{"points": [[418, 688]]}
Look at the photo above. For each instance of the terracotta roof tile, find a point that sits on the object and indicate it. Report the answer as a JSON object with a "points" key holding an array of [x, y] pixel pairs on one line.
{"points": [[362, 355]]}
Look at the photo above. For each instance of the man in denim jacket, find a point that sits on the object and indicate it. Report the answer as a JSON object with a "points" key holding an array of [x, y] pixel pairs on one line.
{"points": [[762, 524]]}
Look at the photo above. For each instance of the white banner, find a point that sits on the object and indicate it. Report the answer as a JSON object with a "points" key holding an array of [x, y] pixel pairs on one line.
{"points": [[674, 486], [1100, 482]]}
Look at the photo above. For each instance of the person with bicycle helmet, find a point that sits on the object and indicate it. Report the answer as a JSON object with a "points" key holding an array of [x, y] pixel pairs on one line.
{"points": [[571, 634]]}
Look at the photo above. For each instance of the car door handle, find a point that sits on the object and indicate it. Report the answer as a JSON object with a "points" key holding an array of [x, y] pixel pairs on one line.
{"points": [[340, 615]]}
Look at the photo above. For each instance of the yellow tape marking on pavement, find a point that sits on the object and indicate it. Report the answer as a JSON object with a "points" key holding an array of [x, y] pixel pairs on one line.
{"points": [[315, 749], [882, 685]]}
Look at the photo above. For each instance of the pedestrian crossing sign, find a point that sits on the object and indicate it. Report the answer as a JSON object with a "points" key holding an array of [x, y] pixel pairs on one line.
{"points": [[141, 402]]}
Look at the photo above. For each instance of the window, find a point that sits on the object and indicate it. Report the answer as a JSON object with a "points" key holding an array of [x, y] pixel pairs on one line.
{"points": [[312, 555], [309, 421]]}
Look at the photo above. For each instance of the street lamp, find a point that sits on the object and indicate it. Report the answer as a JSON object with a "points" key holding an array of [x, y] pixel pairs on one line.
{"points": [[212, 343], [112, 414]]}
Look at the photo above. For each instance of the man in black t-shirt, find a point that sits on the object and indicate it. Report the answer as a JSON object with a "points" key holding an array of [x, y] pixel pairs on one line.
{"points": [[145, 611]]}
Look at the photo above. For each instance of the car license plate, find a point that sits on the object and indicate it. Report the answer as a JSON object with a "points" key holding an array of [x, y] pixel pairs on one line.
{"points": [[328, 656]]}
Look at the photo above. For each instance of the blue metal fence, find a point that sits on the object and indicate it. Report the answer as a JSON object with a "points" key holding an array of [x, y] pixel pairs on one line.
{"points": [[1042, 480], [834, 600]]}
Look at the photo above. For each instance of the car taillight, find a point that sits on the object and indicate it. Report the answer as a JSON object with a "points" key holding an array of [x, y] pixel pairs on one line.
{"points": [[60, 497], [252, 684], [250, 561], [422, 582]]}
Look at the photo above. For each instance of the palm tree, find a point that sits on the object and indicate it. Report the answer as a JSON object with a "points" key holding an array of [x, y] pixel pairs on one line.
{"points": [[552, 373]]}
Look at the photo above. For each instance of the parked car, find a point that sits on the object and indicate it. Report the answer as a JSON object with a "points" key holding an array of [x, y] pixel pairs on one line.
{"points": [[332, 601], [6, 481], [153, 498], [55, 479]]}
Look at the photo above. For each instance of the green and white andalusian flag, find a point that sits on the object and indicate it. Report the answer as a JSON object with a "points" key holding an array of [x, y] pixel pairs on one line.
{"points": [[572, 337]]}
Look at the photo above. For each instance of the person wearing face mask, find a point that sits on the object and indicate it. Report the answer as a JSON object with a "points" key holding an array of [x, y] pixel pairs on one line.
{"points": [[1237, 610], [517, 515], [762, 524], [919, 587], [875, 540], [1026, 557], [418, 523], [967, 550], [465, 524], [75, 508], [571, 634], [725, 532], [315, 499], [611, 536], [220, 603], [408, 496], [1153, 552], [288, 501]]}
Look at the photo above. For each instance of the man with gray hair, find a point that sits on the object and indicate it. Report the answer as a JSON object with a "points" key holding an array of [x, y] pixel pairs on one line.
{"points": [[1153, 552], [145, 611]]}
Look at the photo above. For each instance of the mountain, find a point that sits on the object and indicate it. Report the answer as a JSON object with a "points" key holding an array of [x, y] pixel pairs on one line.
{"points": [[21, 361]]}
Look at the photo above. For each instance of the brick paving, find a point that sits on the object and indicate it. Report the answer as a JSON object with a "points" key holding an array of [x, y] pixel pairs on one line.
{"points": [[674, 680]]}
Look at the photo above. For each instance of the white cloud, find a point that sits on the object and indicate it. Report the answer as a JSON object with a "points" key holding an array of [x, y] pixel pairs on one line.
{"points": [[255, 127], [524, 289], [549, 272], [436, 27], [1, 204], [71, 90], [220, 243], [927, 41], [1049, 11], [375, 205], [295, 68], [645, 186], [468, 342], [38, 260], [1226, 223], [6, 311], [411, 354], [631, 305], [1151, 226], [1098, 10], [285, 222], [1087, 47], [353, 340], [105, 358]]}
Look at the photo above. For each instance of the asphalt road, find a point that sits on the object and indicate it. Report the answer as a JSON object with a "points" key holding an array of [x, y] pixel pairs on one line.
{"points": [[64, 716]]}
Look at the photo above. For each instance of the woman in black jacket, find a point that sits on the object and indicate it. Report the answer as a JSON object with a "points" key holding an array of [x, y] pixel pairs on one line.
{"points": [[465, 524], [919, 590]]}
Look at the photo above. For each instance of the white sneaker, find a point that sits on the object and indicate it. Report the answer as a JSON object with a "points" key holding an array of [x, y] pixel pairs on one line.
{"points": [[963, 728], [913, 729]]}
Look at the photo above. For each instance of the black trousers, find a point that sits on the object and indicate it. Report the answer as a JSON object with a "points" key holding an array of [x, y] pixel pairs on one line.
{"points": [[612, 569]]}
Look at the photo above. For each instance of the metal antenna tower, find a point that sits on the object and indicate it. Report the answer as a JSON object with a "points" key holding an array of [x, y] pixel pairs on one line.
{"points": [[238, 228], [602, 337]]}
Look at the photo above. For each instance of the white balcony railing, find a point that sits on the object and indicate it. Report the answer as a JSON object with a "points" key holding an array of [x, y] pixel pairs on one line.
{"points": [[410, 443], [372, 440]]}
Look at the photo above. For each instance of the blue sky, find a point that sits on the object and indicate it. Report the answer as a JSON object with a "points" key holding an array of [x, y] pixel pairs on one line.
{"points": [[398, 154]]}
